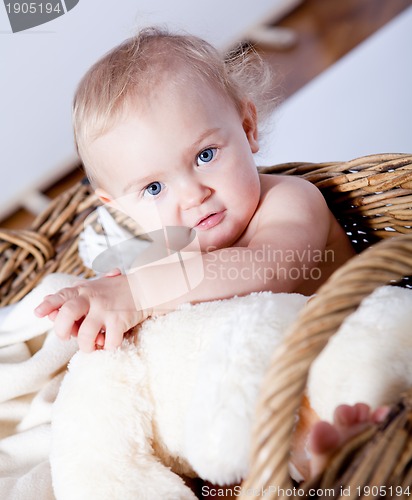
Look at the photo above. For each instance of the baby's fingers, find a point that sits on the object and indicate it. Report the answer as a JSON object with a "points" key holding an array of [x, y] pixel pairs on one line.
{"points": [[89, 333], [53, 314], [113, 272], [55, 301], [100, 340], [70, 313], [115, 330]]}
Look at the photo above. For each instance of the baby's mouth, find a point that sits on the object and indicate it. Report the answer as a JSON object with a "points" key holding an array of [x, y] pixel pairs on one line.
{"points": [[210, 220], [205, 218]]}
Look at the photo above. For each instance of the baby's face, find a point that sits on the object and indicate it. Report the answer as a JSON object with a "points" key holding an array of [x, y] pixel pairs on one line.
{"points": [[185, 159]]}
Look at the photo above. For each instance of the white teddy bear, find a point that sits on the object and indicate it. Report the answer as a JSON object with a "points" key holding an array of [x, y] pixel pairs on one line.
{"points": [[182, 397]]}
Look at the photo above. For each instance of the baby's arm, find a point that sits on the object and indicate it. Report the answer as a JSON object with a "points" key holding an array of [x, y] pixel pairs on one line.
{"points": [[292, 219]]}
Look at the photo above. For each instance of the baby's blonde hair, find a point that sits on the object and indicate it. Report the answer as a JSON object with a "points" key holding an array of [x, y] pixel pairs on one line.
{"points": [[133, 68]]}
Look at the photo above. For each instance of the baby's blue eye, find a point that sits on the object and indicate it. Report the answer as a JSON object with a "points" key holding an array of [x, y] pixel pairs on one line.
{"points": [[206, 156], [153, 189]]}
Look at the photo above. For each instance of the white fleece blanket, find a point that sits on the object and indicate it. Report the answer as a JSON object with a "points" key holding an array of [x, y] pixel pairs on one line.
{"points": [[32, 366]]}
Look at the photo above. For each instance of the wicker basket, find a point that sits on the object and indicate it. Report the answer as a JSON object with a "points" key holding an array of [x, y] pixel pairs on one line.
{"points": [[382, 455], [372, 199]]}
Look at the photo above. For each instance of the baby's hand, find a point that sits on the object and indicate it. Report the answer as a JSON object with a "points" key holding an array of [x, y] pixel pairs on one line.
{"points": [[92, 307]]}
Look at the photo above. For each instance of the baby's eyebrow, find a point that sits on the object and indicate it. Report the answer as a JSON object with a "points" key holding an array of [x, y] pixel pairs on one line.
{"points": [[204, 135], [135, 183]]}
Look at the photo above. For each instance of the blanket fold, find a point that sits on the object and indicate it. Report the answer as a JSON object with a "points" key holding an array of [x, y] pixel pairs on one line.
{"points": [[32, 365]]}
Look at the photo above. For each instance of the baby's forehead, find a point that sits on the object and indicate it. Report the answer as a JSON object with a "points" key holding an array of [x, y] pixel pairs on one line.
{"points": [[183, 87], [186, 92], [175, 120], [186, 79]]}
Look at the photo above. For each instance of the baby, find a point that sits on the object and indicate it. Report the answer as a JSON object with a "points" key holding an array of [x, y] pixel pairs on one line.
{"points": [[167, 130]]}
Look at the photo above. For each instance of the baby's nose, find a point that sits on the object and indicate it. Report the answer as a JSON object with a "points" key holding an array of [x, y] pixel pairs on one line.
{"points": [[194, 195]]}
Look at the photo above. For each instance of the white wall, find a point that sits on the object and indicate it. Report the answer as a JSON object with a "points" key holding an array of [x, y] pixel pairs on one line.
{"points": [[359, 106]]}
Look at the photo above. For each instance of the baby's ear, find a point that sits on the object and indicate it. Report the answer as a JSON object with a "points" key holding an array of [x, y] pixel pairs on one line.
{"points": [[103, 196], [250, 125]]}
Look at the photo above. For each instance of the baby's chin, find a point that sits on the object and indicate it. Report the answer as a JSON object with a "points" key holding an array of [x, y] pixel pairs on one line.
{"points": [[175, 238], [188, 240], [219, 240]]}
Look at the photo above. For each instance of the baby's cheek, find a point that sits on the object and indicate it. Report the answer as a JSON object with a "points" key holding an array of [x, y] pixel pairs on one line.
{"points": [[149, 220]]}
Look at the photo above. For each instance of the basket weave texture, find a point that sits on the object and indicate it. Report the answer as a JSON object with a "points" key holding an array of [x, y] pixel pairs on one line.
{"points": [[380, 457], [372, 198]]}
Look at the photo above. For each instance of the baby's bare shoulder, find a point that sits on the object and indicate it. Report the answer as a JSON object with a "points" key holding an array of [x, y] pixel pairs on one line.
{"points": [[292, 214], [289, 193]]}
